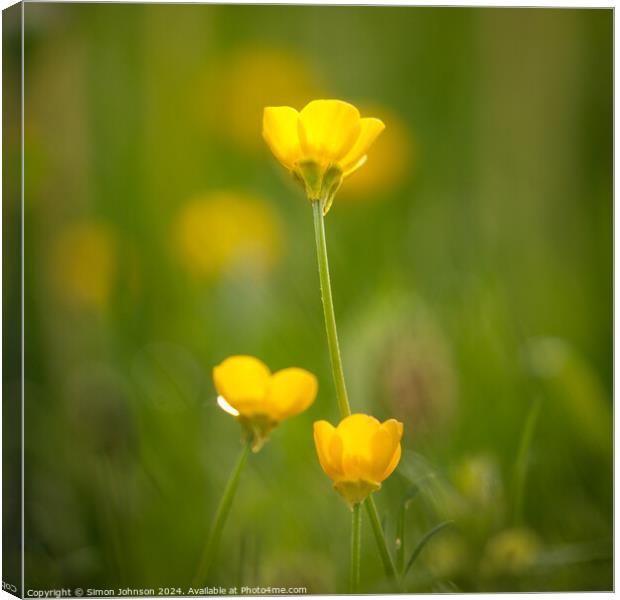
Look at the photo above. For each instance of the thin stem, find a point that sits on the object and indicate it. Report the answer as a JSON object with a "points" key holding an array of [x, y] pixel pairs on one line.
{"points": [[386, 557], [520, 472], [328, 310], [400, 539], [356, 538], [221, 514], [338, 375]]}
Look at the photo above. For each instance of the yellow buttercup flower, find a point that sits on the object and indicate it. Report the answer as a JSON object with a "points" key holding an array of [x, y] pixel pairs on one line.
{"points": [[358, 454], [321, 145], [260, 399]]}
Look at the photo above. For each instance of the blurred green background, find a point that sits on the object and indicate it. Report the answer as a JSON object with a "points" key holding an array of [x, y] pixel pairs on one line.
{"points": [[472, 269]]}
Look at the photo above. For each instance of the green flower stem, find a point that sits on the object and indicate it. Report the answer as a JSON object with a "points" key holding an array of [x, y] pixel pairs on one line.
{"points": [[328, 310], [221, 515], [386, 557], [356, 539], [338, 374], [520, 471]]}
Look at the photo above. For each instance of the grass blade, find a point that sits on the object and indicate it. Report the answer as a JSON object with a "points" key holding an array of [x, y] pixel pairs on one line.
{"points": [[422, 543], [521, 462], [400, 538]]}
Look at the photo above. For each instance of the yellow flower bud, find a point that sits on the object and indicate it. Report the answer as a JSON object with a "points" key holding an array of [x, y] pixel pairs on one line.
{"points": [[358, 454], [258, 399], [321, 145]]}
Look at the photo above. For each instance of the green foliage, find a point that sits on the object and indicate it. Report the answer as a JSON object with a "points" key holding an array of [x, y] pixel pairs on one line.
{"points": [[471, 282]]}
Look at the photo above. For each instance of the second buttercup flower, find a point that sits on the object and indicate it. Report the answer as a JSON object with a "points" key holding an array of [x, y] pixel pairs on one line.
{"points": [[259, 399]]}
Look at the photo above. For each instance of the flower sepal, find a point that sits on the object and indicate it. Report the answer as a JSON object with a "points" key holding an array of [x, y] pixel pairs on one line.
{"points": [[355, 492], [308, 173], [332, 180], [257, 429], [320, 184]]}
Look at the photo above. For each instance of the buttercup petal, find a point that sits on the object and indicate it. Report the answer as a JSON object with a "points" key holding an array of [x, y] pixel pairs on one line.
{"points": [[324, 433], [328, 129], [393, 463], [370, 128], [335, 450], [395, 428], [382, 451], [355, 167], [356, 432], [290, 392], [356, 466], [280, 133], [383, 447], [242, 381]]}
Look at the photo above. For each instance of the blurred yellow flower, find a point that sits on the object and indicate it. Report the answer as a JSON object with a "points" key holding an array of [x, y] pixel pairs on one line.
{"points": [[390, 163], [358, 454], [224, 230], [84, 264], [510, 552], [322, 144], [447, 555], [478, 479], [260, 399], [252, 78]]}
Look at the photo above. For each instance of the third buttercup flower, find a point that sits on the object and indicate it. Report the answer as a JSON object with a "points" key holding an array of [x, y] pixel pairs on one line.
{"points": [[358, 454]]}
